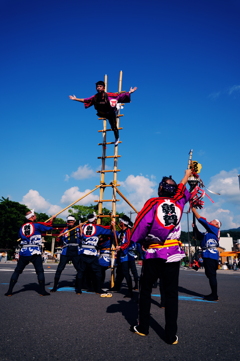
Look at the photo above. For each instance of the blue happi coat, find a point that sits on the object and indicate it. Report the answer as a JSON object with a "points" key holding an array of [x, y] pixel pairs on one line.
{"points": [[31, 239], [71, 241], [123, 237], [90, 237], [209, 240], [105, 252]]}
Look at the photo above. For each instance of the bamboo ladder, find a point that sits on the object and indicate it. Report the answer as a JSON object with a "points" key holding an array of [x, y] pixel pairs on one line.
{"points": [[104, 156]]}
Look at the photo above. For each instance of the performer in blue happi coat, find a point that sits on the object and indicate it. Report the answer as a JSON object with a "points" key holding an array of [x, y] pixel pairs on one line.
{"points": [[122, 249], [132, 256], [89, 253], [105, 245], [71, 241], [209, 243], [31, 250]]}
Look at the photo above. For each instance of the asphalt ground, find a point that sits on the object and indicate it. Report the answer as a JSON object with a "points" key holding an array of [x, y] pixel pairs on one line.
{"points": [[69, 327]]}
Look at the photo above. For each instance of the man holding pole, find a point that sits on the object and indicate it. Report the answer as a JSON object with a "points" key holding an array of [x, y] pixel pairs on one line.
{"points": [[89, 253], [31, 251], [122, 249], [71, 239], [106, 104], [209, 243], [157, 228]]}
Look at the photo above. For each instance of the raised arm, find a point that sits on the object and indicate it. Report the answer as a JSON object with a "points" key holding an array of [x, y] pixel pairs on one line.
{"points": [[188, 173], [132, 90], [197, 215], [73, 97]]}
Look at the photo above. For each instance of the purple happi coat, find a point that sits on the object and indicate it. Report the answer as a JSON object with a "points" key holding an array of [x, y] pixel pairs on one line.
{"points": [[158, 227], [113, 98]]}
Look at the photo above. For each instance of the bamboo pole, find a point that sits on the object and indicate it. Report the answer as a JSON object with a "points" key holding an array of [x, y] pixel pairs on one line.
{"points": [[113, 252], [108, 171], [107, 130], [111, 156], [120, 81], [126, 200], [69, 230], [108, 143], [107, 200], [104, 149], [78, 200]]}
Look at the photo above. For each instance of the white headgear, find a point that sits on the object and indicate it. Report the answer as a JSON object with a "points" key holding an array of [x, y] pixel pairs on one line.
{"points": [[71, 218], [92, 217], [30, 215], [219, 223]]}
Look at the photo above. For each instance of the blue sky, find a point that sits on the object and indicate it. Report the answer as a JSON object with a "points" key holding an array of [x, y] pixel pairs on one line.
{"points": [[182, 55]]}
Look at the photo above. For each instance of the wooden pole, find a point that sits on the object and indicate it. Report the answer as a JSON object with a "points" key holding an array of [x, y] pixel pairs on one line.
{"points": [[53, 246], [78, 200], [126, 200], [69, 230], [104, 150], [113, 248], [115, 162]]}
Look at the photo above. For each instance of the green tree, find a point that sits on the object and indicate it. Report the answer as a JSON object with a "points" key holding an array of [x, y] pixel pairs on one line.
{"points": [[12, 216], [42, 217], [81, 213]]}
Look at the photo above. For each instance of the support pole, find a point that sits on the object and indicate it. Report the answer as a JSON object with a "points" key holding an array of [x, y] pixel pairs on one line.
{"points": [[78, 200], [126, 200], [53, 246]]}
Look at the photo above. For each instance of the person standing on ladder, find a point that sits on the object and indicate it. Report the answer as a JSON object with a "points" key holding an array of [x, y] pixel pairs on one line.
{"points": [[106, 104]]}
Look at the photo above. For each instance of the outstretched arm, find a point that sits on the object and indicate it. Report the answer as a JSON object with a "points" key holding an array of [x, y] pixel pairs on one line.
{"points": [[188, 173], [197, 215], [196, 233], [73, 97], [132, 90]]}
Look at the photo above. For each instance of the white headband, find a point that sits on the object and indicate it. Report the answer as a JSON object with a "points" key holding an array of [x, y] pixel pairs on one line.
{"points": [[92, 219], [219, 223], [30, 215], [71, 218], [125, 222]]}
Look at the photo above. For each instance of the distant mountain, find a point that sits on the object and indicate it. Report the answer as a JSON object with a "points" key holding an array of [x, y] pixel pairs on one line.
{"points": [[232, 230]]}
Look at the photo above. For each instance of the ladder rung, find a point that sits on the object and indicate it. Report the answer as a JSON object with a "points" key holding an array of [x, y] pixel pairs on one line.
{"points": [[108, 130], [105, 171], [107, 215], [106, 185], [107, 200], [110, 156], [108, 143], [117, 116]]}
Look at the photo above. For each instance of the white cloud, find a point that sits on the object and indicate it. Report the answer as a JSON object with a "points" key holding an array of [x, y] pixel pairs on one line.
{"points": [[233, 89], [228, 218], [226, 183], [226, 206], [139, 189], [83, 172], [34, 200], [73, 193], [214, 95]]}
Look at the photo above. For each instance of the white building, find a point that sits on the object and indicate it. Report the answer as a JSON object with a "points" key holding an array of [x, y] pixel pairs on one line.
{"points": [[226, 243]]}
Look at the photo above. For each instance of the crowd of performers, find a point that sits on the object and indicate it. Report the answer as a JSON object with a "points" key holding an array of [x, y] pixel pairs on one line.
{"points": [[156, 233]]}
